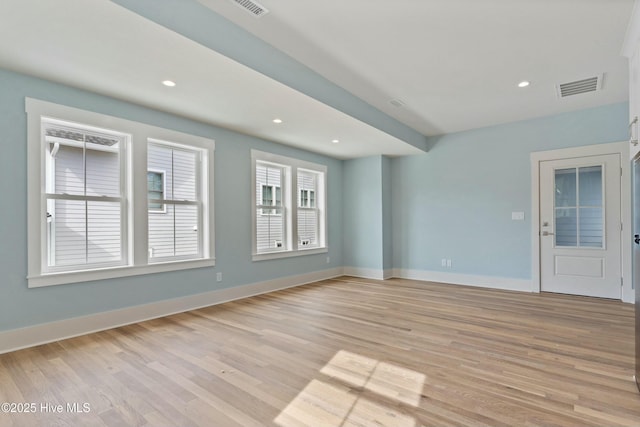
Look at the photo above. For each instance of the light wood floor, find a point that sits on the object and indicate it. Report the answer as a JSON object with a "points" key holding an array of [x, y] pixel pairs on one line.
{"points": [[345, 352]]}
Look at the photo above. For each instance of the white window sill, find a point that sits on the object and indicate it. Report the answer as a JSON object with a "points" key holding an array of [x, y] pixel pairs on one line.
{"points": [[51, 279], [288, 254]]}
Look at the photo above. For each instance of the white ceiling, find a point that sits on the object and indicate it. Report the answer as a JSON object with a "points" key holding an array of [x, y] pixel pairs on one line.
{"points": [[454, 63], [102, 47]]}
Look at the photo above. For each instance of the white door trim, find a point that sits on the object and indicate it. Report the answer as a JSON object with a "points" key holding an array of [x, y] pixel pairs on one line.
{"points": [[621, 148]]}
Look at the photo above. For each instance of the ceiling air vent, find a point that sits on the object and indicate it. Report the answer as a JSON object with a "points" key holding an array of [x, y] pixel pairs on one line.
{"points": [[591, 84], [254, 8]]}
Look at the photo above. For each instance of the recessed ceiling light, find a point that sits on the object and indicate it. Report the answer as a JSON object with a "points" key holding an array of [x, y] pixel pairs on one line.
{"points": [[523, 84], [169, 83], [335, 141], [277, 121]]}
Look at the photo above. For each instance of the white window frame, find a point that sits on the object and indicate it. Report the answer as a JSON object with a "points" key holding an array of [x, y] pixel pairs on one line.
{"points": [[307, 207], [135, 248], [289, 190], [48, 240], [284, 209], [171, 201]]}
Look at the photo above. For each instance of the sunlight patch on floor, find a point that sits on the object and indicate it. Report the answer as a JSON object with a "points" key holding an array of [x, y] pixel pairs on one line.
{"points": [[330, 405], [388, 380], [319, 404]]}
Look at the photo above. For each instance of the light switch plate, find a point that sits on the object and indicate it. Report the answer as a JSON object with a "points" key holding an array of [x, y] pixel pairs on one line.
{"points": [[517, 216]]}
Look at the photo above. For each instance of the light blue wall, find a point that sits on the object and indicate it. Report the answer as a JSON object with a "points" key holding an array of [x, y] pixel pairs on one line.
{"points": [[363, 231], [20, 306], [456, 200], [387, 223], [453, 202]]}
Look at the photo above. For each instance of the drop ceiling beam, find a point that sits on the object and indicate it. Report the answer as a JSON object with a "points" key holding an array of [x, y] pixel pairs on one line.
{"points": [[200, 24]]}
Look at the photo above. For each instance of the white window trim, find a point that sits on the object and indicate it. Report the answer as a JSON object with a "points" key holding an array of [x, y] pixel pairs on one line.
{"points": [[289, 201], [136, 209]]}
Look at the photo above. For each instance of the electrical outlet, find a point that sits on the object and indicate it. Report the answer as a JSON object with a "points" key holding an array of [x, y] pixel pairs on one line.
{"points": [[328, 260], [448, 263], [219, 277], [444, 262]]}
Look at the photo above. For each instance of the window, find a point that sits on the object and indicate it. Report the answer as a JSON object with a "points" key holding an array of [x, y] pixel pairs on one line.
{"points": [[308, 212], [85, 224], [155, 190], [175, 235], [289, 206], [95, 182], [271, 214]]}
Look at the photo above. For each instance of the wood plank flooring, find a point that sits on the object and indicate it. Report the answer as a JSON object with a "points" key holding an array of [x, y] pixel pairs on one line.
{"points": [[343, 352]]}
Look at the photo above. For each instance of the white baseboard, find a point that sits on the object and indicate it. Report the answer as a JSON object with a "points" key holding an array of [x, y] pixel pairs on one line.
{"points": [[31, 336], [505, 283], [368, 273]]}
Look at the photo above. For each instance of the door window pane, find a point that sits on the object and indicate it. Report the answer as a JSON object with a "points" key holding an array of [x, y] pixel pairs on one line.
{"points": [[579, 210], [566, 227], [565, 187], [591, 227], [590, 180]]}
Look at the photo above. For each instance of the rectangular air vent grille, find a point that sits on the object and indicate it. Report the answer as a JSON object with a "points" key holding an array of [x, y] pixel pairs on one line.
{"points": [[591, 84], [254, 8]]}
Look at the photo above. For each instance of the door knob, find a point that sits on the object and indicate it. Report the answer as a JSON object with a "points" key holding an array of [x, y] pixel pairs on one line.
{"points": [[636, 238]]}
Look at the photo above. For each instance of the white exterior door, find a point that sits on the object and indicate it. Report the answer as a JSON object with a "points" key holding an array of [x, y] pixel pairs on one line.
{"points": [[580, 226]]}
